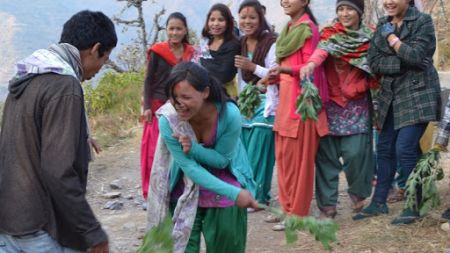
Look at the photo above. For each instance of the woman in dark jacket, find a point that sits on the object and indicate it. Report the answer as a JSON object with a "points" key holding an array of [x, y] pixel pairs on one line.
{"points": [[218, 47], [401, 53]]}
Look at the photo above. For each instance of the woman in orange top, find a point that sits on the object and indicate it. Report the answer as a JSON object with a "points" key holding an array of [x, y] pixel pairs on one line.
{"points": [[296, 141]]}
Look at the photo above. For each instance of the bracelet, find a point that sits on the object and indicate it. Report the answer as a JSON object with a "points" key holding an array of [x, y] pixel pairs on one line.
{"points": [[394, 41]]}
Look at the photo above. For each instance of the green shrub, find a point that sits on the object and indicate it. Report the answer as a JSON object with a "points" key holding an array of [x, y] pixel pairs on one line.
{"points": [[113, 105]]}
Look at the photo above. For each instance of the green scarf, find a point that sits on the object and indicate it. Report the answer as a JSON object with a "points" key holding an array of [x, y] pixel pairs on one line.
{"points": [[291, 40]]}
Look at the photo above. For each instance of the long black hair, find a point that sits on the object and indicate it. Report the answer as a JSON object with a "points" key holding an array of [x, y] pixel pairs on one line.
{"points": [[199, 78], [263, 24], [226, 13], [182, 18]]}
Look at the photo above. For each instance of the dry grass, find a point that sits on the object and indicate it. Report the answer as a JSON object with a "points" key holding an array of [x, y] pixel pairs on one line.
{"points": [[375, 235]]}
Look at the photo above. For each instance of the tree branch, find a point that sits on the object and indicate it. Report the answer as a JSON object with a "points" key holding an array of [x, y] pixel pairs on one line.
{"points": [[112, 65]]}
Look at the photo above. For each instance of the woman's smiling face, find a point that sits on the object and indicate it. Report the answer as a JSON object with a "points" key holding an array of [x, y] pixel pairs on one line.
{"points": [[187, 100]]}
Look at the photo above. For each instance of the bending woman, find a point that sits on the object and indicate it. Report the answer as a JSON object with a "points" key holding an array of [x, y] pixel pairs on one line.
{"points": [[200, 132]]}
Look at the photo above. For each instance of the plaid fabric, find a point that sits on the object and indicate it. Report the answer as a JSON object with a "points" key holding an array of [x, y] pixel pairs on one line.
{"points": [[414, 93], [444, 127]]}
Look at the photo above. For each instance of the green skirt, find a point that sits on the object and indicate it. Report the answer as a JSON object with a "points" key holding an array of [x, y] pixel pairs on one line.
{"points": [[224, 230], [259, 142]]}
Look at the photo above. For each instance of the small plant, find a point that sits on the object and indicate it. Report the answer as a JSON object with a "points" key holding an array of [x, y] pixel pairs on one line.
{"points": [[323, 231], [158, 239], [249, 100], [309, 103], [425, 175]]}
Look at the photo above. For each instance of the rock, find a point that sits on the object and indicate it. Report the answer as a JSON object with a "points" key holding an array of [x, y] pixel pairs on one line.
{"points": [[116, 184], [113, 205], [112, 195], [129, 197]]}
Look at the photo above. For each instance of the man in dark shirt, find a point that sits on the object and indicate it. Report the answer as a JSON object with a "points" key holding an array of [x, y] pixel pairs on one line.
{"points": [[44, 149]]}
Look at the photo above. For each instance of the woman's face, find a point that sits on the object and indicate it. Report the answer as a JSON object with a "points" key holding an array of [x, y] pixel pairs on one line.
{"points": [[348, 17], [396, 8], [217, 24], [293, 7], [176, 31], [187, 100], [248, 21]]}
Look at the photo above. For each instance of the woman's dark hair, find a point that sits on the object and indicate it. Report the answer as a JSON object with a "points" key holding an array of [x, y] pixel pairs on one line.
{"points": [[309, 12], [199, 78], [180, 16], [226, 13], [86, 28], [412, 3], [263, 24]]}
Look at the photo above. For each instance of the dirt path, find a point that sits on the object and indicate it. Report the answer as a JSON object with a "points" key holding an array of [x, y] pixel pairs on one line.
{"points": [[126, 226]]}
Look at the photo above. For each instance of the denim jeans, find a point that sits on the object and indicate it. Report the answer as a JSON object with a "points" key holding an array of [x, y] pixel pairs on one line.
{"points": [[39, 242], [400, 145]]}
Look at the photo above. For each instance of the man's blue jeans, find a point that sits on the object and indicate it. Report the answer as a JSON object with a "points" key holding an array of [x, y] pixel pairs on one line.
{"points": [[39, 242], [400, 145]]}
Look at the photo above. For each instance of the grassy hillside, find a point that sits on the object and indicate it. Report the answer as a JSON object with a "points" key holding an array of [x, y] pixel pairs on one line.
{"points": [[113, 106]]}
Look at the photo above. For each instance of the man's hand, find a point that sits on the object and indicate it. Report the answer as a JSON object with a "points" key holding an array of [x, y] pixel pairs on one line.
{"points": [[185, 141], [95, 145], [102, 247], [245, 200], [148, 115]]}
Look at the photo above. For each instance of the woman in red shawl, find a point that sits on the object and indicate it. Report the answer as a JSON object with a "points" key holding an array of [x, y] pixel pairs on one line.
{"points": [[161, 57]]}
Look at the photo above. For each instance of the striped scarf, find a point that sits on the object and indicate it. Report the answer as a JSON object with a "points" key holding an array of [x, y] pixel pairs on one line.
{"points": [[347, 45]]}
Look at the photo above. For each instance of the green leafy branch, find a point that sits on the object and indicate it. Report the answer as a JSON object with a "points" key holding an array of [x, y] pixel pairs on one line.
{"points": [[249, 100], [425, 175], [158, 239], [322, 230], [309, 102]]}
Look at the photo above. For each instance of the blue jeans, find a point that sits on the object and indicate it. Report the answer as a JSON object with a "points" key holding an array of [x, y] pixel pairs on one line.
{"points": [[400, 145], [39, 242]]}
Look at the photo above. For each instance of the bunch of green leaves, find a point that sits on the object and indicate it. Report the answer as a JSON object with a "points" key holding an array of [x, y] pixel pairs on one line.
{"points": [[425, 175], [158, 239], [322, 230], [309, 103], [249, 100]]}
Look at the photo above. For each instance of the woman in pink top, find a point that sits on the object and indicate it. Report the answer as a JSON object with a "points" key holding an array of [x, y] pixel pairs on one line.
{"points": [[296, 141], [343, 50]]}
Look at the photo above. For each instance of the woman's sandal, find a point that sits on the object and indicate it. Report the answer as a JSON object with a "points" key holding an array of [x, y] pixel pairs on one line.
{"points": [[272, 219]]}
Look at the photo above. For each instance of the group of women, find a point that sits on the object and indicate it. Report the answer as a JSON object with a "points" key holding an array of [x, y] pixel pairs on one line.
{"points": [[210, 163]]}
